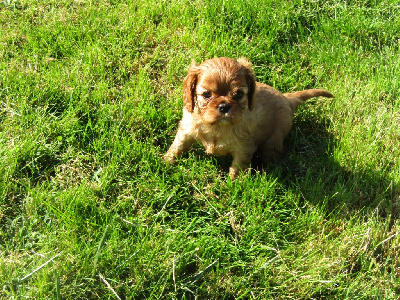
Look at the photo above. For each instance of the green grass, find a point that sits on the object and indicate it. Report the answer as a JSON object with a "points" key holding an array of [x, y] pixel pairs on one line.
{"points": [[90, 97]]}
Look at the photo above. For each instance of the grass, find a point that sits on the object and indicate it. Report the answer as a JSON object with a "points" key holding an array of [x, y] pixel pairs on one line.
{"points": [[90, 97]]}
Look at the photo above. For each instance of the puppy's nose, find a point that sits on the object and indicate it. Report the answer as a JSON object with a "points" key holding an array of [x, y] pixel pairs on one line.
{"points": [[224, 108]]}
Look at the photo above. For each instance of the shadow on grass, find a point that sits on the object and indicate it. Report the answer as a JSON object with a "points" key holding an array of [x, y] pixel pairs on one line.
{"points": [[309, 167]]}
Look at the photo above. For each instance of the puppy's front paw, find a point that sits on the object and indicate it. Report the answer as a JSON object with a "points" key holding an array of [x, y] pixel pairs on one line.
{"points": [[169, 158], [233, 172]]}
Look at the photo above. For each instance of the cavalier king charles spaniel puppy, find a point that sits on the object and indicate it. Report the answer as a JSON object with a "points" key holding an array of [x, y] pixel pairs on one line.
{"points": [[230, 113]]}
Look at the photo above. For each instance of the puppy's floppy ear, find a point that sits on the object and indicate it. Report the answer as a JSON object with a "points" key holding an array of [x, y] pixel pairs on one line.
{"points": [[189, 87], [251, 80]]}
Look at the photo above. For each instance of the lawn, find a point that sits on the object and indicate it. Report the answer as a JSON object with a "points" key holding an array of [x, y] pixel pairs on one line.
{"points": [[91, 95]]}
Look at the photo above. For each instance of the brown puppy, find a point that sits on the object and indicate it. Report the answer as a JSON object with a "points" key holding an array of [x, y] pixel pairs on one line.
{"points": [[230, 113]]}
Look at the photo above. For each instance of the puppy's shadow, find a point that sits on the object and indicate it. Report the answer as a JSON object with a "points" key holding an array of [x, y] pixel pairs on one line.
{"points": [[309, 167]]}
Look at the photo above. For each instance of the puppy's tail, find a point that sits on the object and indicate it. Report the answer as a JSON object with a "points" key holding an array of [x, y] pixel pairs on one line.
{"points": [[299, 97]]}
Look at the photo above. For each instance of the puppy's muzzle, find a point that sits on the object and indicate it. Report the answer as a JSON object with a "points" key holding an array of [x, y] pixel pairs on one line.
{"points": [[224, 108]]}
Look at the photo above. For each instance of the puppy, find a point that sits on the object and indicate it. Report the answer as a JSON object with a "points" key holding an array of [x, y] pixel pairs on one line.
{"points": [[230, 113]]}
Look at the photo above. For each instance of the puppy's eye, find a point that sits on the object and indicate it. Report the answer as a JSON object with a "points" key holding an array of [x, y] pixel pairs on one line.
{"points": [[238, 95], [206, 95]]}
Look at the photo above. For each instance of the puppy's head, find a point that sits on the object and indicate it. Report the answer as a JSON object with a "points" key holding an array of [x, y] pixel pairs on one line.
{"points": [[219, 89]]}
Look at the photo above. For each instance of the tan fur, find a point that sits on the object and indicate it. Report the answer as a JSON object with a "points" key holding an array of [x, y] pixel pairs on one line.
{"points": [[231, 114]]}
